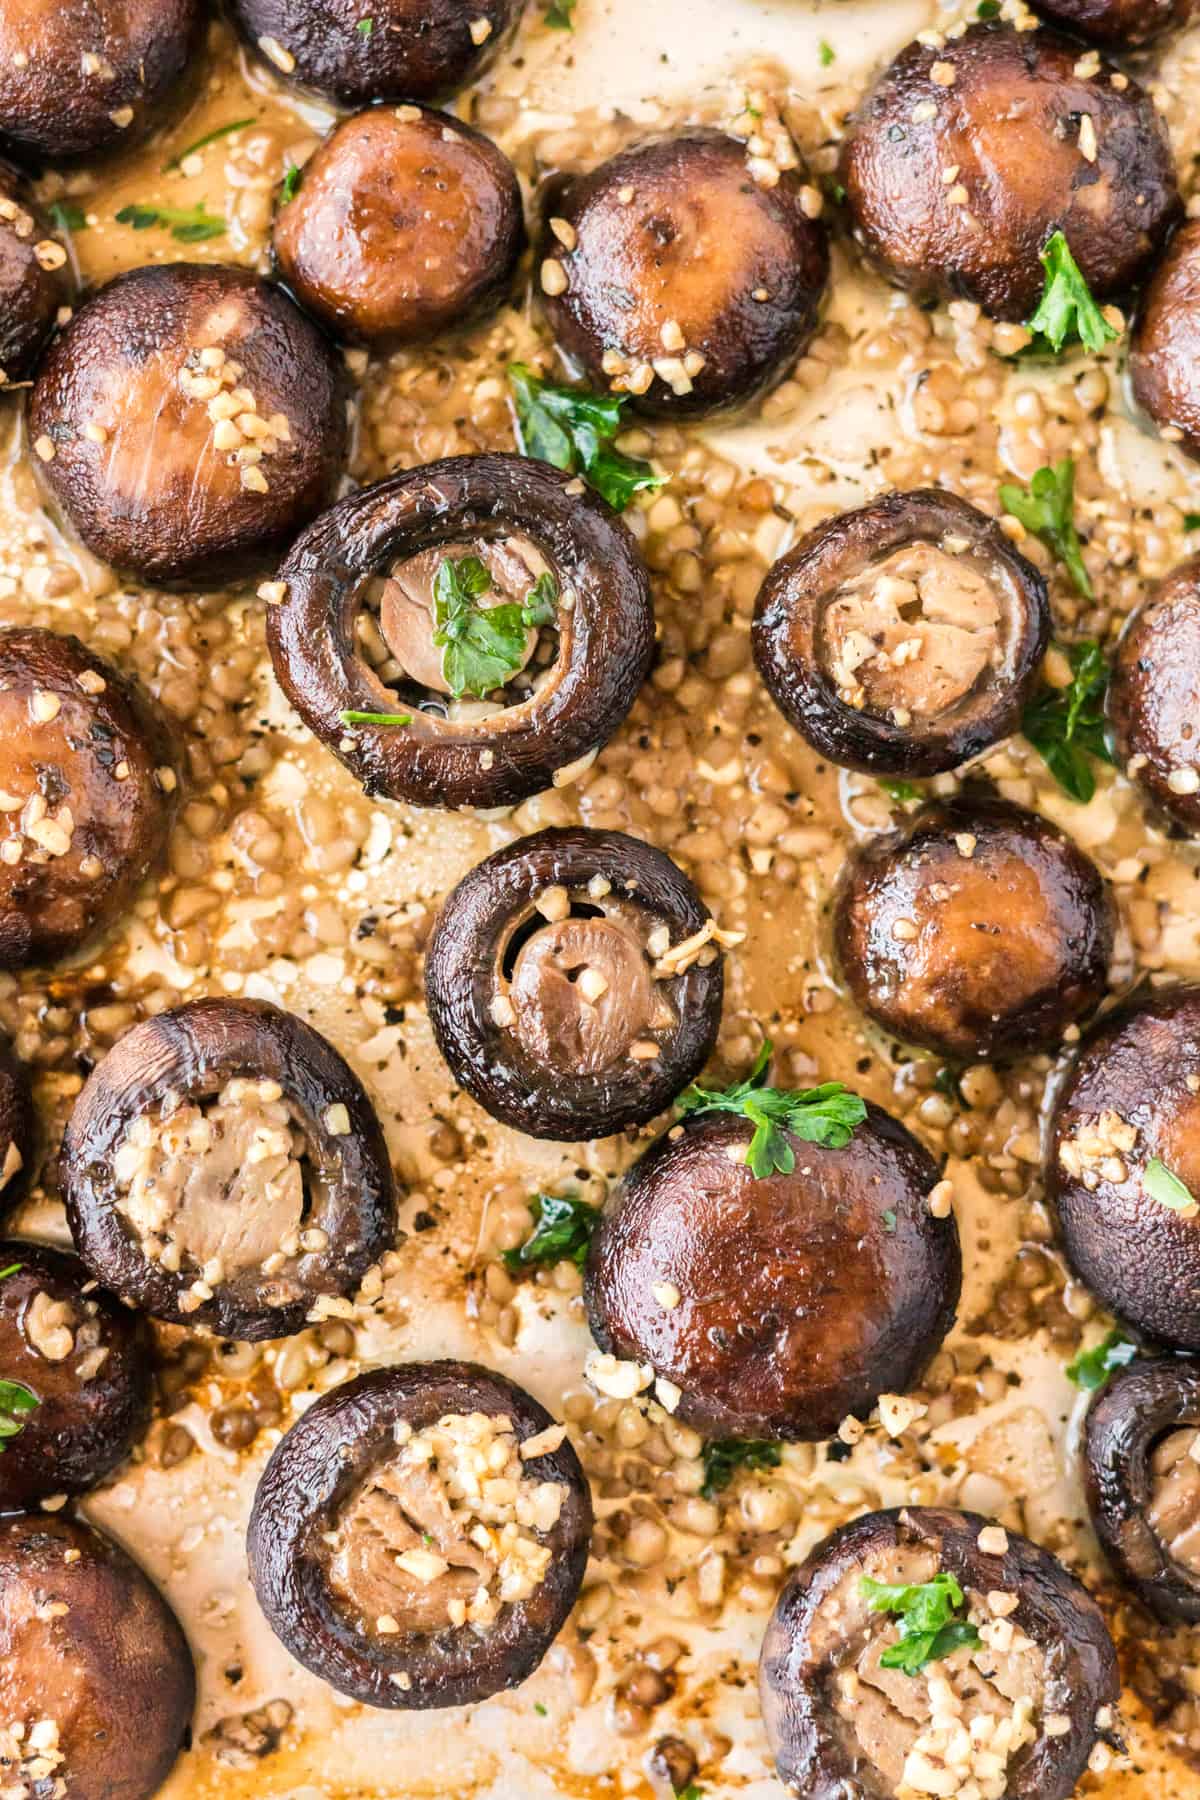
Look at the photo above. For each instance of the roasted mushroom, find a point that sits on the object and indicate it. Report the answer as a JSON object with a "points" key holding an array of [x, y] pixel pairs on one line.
{"points": [[1164, 354], [82, 1364], [413, 49], [1018, 1690], [16, 1130], [36, 281], [405, 222], [379, 625], [1124, 1163], [1036, 147], [774, 1306], [1119, 24], [189, 421], [1154, 696], [904, 637], [86, 783], [78, 80], [574, 983], [979, 930], [676, 274], [223, 1167], [419, 1537], [97, 1684]]}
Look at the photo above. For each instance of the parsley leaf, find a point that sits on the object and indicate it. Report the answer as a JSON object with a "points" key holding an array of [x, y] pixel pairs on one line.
{"points": [[1191, 521], [988, 9], [291, 181], [1092, 1368], [560, 14], [826, 54], [573, 428], [928, 1628], [67, 216], [690, 1792], [562, 1230], [1162, 1185], [1066, 310], [365, 27], [202, 143], [483, 647], [373, 718], [16, 1400], [723, 1457], [187, 225], [948, 1081], [821, 1115], [900, 791], [11, 1270], [1066, 725], [1047, 509]]}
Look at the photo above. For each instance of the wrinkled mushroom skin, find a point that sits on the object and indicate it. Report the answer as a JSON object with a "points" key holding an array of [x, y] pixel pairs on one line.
{"points": [[415, 50], [112, 1668], [810, 1743], [979, 930], [80, 80], [796, 652], [401, 227], [80, 737], [1119, 24], [160, 495], [1164, 352], [529, 1072], [803, 1297], [36, 281], [739, 267], [606, 638], [1134, 1072], [1127, 1423], [52, 1334], [1154, 695], [190, 1053], [326, 1456], [17, 1131], [1010, 123]]}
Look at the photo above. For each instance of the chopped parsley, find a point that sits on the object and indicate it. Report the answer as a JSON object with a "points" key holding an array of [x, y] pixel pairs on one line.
{"points": [[821, 1115], [1066, 725], [11, 1270], [67, 216], [365, 27], [948, 1081], [374, 718], [1166, 1188], [1191, 521], [723, 1457], [902, 792], [690, 1792], [1066, 312], [561, 14], [187, 224], [1092, 1368], [202, 143], [539, 1709], [562, 1230], [889, 1222], [929, 1629], [573, 428], [291, 181], [16, 1402], [826, 54], [988, 9], [483, 647], [1047, 509]]}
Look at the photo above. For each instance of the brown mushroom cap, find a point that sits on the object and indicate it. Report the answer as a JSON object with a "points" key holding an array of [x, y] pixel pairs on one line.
{"points": [[405, 222], [737, 267], [155, 488], [89, 1644], [36, 280], [1119, 24], [1164, 353], [1154, 694], [802, 1297], [978, 930], [1006, 109], [16, 1130], [86, 779], [1133, 1095]]}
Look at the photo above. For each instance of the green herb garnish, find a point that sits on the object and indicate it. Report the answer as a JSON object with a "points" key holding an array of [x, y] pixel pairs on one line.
{"points": [[901, 791], [821, 1115], [483, 647], [539, 1709], [1166, 1188], [561, 14], [1066, 725], [374, 718], [723, 1457], [16, 1402], [826, 54], [202, 143], [690, 1792], [1191, 521], [562, 1230], [11, 1270], [1092, 1368], [365, 27], [988, 9], [948, 1081], [291, 181], [187, 225], [889, 1222], [573, 428], [67, 216], [928, 1628], [1047, 509], [1066, 311]]}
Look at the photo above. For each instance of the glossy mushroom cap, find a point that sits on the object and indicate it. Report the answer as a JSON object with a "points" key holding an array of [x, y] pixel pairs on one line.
{"points": [[1133, 1098], [36, 280], [1007, 109], [978, 930], [170, 1209], [573, 983], [84, 1358], [87, 779], [1154, 696], [337, 1475], [1119, 24], [803, 1296], [902, 638], [1164, 353], [827, 1747], [17, 1127], [405, 222], [675, 259], [415, 49], [137, 417]]}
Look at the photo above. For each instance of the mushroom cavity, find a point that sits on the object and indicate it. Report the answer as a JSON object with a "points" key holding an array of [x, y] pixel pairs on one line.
{"points": [[1154, 696], [1164, 356], [16, 1131], [36, 281]]}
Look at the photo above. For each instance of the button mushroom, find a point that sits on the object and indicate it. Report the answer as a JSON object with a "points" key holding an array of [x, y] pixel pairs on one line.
{"points": [[16, 1131], [1154, 696], [87, 780], [36, 280], [189, 421], [420, 1535], [223, 1167], [679, 275], [1164, 354], [1005, 1693], [904, 637], [428, 585], [81, 1365], [405, 222], [1034, 145], [1120, 24], [97, 1684], [574, 983], [1123, 1164]]}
